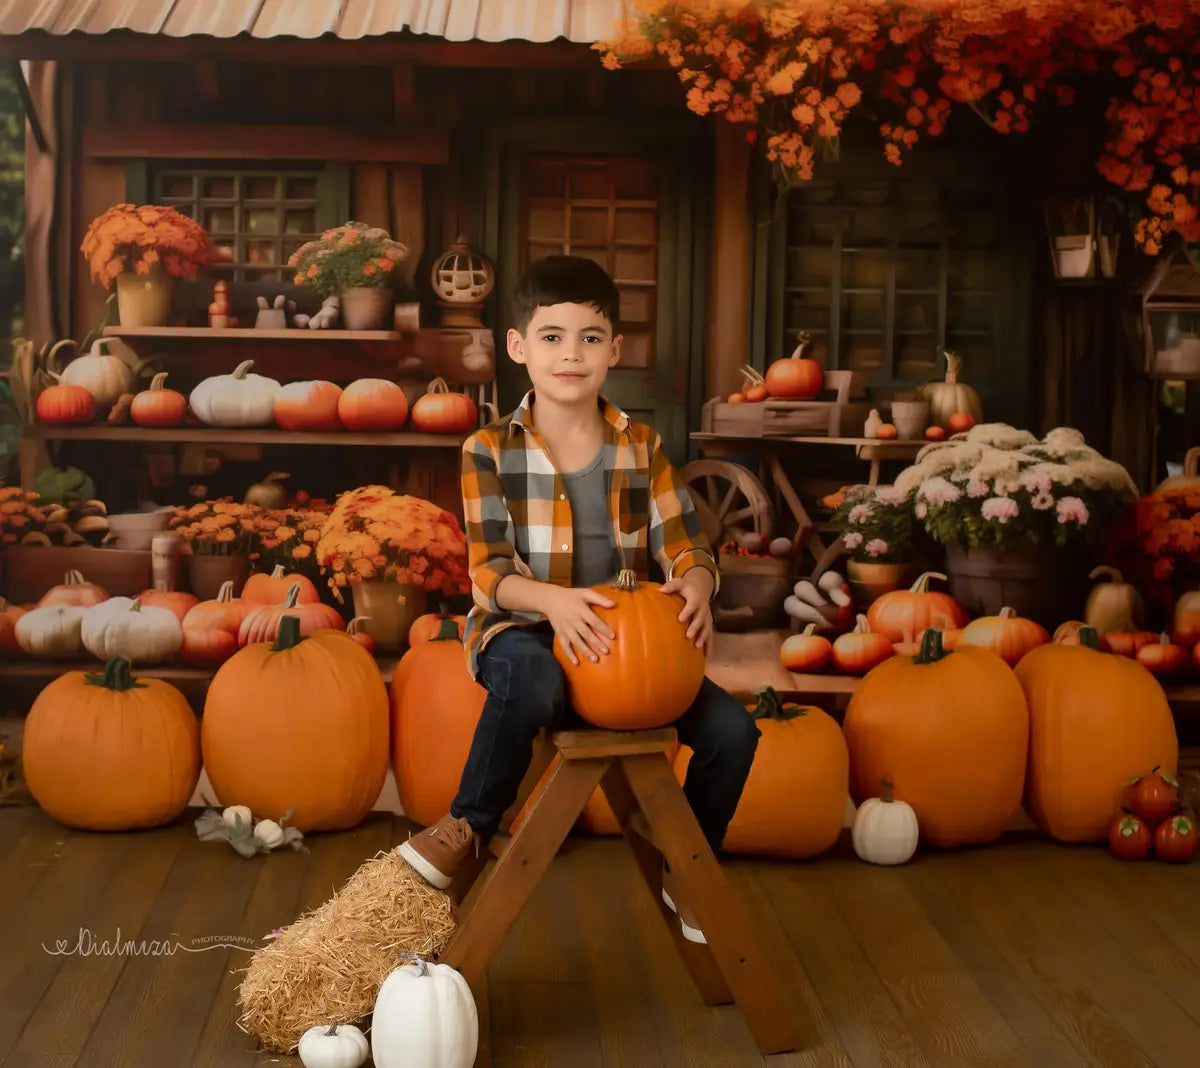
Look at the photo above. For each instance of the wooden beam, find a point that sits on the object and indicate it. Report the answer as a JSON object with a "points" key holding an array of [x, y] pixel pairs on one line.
{"points": [[196, 141], [119, 46]]}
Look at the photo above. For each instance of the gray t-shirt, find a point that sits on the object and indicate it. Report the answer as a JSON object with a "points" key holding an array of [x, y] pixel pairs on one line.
{"points": [[596, 560]]}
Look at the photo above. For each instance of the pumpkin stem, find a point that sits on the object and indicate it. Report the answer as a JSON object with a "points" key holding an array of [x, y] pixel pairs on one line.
{"points": [[116, 676], [922, 583], [1008, 613], [1104, 571], [626, 580], [225, 593], [289, 633], [770, 707], [953, 366], [332, 1030], [418, 961], [931, 650], [1089, 637], [888, 795], [447, 631], [438, 385], [242, 369], [293, 595], [803, 340], [159, 381]]}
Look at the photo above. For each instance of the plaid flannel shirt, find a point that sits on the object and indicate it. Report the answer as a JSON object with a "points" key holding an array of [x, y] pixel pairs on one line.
{"points": [[518, 515]]}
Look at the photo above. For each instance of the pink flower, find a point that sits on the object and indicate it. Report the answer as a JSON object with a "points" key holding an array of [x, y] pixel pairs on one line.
{"points": [[888, 496], [938, 490], [876, 547], [852, 540], [1072, 510], [1001, 509], [975, 489], [860, 513]]}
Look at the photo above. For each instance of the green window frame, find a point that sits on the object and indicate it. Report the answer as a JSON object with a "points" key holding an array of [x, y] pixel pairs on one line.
{"points": [[257, 216]]}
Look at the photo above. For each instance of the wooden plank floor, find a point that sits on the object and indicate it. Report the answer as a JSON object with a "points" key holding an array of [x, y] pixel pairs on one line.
{"points": [[1023, 953]]}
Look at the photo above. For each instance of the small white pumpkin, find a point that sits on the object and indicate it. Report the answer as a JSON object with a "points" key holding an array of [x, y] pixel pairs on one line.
{"points": [[95, 623], [52, 632], [339, 1046], [269, 833], [143, 635], [105, 376], [237, 814], [885, 830], [237, 399], [1115, 605], [425, 1017]]}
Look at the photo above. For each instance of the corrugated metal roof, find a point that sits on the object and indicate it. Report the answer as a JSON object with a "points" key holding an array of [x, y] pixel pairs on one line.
{"points": [[582, 21]]}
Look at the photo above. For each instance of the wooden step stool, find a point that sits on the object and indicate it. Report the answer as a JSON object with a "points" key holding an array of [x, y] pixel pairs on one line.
{"points": [[635, 773]]}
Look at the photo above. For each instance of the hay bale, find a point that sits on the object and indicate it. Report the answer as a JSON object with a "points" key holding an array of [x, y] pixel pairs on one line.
{"points": [[328, 966]]}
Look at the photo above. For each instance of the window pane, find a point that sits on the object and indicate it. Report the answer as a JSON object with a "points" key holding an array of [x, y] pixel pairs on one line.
{"points": [[221, 187], [260, 188]]}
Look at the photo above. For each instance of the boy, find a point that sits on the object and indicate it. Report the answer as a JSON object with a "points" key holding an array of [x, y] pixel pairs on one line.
{"points": [[557, 497]]}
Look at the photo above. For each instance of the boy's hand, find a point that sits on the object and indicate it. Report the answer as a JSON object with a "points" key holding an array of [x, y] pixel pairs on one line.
{"points": [[576, 626], [695, 587]]}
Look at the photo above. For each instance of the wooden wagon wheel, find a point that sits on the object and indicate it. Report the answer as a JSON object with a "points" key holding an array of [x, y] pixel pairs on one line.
{"points": [[729, 500]]}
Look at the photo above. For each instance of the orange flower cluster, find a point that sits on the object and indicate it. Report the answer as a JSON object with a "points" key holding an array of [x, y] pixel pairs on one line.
{"points": [[795, 69], [20, 514], [142, 239], [353, 254], [374, 533], [1168, 530], [218, 528]]}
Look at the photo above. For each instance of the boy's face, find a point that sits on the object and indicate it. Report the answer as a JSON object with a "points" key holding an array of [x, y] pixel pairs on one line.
{"points": [[568, 349]]}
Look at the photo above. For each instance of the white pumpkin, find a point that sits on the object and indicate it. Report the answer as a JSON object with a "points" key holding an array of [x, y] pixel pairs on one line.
{"points": [[105, 376], [424, 1017], [143, 635], [52, 632], [1115, 605], [96, 620], [950, 396], [269, 833], [885, 830], [238, 399], [339, 1046], [235, 815]]}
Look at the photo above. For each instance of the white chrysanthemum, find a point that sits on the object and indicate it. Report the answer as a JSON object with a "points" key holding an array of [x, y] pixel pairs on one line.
{"points": [[1101, 473], [997, 463], [1064, 439], [1000, 436]]}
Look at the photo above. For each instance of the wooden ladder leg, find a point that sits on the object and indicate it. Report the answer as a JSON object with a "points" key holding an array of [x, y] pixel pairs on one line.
{"points": [[511, 880], [701, 965], [769, 1013]]}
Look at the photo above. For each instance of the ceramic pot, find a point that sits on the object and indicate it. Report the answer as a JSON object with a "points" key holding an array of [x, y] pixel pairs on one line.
{"points": [[367, 307], [207, 573], [144, 299], [869, 581], [389, 609]]}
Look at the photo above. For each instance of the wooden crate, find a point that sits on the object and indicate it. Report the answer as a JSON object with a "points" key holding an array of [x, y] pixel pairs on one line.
{"points": [[30, 570], [839, 411]]}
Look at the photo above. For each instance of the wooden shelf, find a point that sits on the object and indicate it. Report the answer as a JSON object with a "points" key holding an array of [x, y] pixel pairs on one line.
{"points": [[249, 436], [131, 334]]}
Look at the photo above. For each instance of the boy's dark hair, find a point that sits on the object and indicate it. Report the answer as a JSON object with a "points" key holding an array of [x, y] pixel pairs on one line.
{"points": [[565, 280]]}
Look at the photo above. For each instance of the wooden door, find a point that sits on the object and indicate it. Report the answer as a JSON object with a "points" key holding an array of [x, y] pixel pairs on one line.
{"points": [[629, 212]]}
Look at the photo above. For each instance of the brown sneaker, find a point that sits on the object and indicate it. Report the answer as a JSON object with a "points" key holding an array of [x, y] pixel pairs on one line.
{"points": [[437, 852], [675, 896]]}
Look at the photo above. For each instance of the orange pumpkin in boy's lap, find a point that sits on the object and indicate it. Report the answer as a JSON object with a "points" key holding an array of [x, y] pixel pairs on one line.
{"points": [[652, 672], [435, 709]]}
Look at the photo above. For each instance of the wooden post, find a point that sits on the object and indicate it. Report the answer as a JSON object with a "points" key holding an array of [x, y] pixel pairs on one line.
{"points": [[731, 284]]}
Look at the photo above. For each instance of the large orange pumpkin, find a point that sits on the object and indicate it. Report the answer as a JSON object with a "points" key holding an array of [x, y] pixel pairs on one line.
{"points": [[912, 611], [652, 672], [9, 614], [1007, 635], [262, 621], [435, 708], [301, 724], [1096, 721], [794, 802], [273, 588], [107, 752], [951, 731]]}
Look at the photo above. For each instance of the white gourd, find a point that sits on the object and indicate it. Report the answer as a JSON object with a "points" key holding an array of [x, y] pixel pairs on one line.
{"points": [[235, 814], [339, 1046], [105, 376], [425, 1017], [269, 833], [143, 635], [96, 620], [885, 830], [237, 399], [52, 632]]}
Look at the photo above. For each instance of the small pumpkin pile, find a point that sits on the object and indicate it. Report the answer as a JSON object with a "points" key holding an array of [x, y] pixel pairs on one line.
{"points": [[1151, 820], [794, 377]]}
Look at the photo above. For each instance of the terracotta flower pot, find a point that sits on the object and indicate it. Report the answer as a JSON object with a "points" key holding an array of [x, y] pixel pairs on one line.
{"points": [[367, 307], [208, 572], [389, 609], [870, 581]]}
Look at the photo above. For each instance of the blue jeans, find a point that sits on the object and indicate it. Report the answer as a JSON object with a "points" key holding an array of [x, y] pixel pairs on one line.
{"points": [[527, 691]]}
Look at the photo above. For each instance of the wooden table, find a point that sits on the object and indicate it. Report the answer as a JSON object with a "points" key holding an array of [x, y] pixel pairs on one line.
{"points": [[769, 451]]}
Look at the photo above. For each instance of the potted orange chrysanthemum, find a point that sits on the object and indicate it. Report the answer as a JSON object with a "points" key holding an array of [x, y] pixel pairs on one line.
{"points": [[144, 248]]}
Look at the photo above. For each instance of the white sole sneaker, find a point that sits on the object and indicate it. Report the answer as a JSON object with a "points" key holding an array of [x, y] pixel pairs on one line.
{"points": [[692, 934], [422, 866]]}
